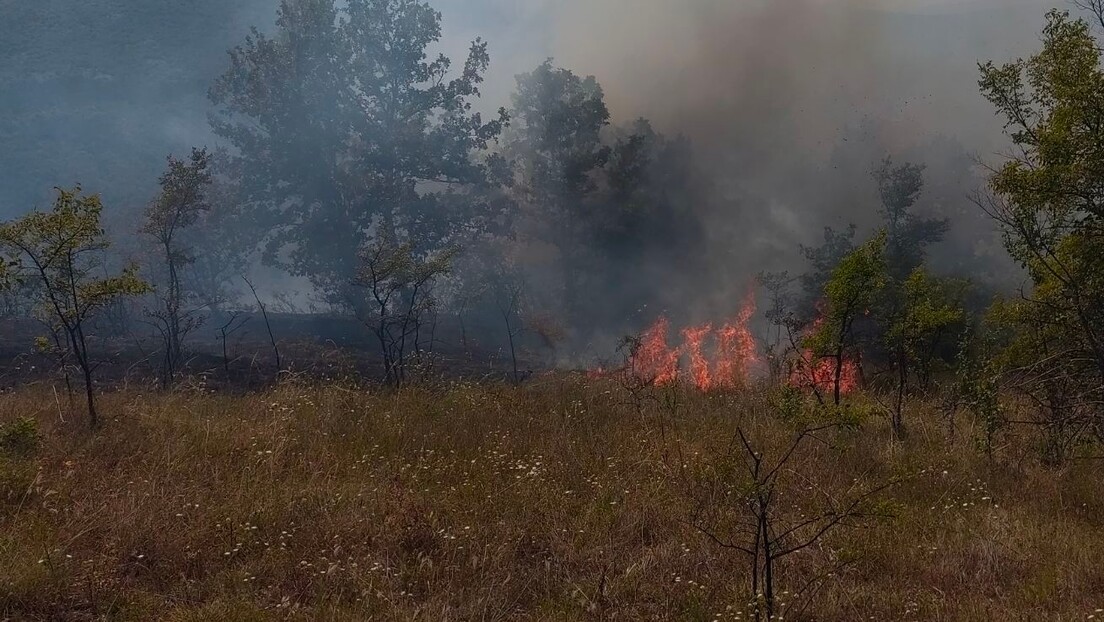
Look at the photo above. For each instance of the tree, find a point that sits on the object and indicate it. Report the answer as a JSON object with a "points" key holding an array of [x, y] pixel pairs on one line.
{"points": [[556, 147], [849, 294], [1048, 198], [509, 297], [343, 130], [181, 202], [907, 235], [930, 308], [744, 501], [61, 252], [1094, 7], [780, 316], [399, 281], [823, 260]]}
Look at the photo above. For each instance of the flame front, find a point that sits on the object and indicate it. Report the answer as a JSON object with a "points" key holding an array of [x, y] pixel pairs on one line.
{"points": [[721, 358], [725, 358], [694, 339], [818, 373], [653, 360]]}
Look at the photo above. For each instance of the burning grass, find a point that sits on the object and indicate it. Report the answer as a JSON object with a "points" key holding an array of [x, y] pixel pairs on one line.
{"points": [[561, 500]]}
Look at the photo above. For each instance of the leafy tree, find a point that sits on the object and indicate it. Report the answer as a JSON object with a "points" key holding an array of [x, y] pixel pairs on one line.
{"points": [[399, 280], [823, 260], [1048, 197], [557, 150], [907, 235], [61, 252], [614, 202], [645, 218], [344, 129], [930, 310], [179, 206], [850, 293]]}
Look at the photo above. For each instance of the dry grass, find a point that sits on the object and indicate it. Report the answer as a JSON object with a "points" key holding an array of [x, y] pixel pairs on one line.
{"points": [[556, 501]]}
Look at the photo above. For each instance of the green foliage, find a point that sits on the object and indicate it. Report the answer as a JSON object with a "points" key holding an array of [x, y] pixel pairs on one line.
{"points": [[823, 260], [61, 253], [60, 250], [1049, 200], [851, 291], [20, 437], [178, 207], [930, 309], [979, 381], [788, 401], [399, 280]]}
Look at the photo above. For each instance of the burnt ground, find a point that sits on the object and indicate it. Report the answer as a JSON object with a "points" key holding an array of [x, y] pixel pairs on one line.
{"points": [[318, 347]]}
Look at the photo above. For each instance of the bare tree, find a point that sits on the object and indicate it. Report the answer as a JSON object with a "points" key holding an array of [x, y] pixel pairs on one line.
{"points": [[234, 322], [268, 324], [777, 285], [1095, 7], [508, 299], [745, 514]]}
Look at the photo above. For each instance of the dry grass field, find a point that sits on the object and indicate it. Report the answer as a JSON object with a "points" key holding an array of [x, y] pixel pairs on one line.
{"points": [[565, 499]]}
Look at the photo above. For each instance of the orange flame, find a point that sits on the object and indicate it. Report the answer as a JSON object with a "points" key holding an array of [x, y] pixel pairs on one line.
{"points": [[736, 348], [721, 358], [653, 360], [819, 373], [694, 339]]}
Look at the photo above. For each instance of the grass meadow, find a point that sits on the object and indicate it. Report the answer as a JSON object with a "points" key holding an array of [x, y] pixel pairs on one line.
{"points": [[568, 498]]}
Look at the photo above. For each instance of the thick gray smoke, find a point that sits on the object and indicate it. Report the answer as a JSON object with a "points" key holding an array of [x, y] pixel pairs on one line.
{"points": [[789, 103]]}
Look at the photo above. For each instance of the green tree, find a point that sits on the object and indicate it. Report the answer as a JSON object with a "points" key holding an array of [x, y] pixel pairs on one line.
{"points": [[400, 282], [907, 234], [343, 128], [1048, 197], [850, 293], [60, 251], [555, 144], [178, 207], [930, 308], [822, 261]]}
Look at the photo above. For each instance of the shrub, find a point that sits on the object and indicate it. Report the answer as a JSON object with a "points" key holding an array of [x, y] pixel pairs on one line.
{"points": [[20, 437]]}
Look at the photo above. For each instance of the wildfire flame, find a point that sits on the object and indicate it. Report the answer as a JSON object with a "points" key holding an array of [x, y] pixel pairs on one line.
{"points": [[724, 358], [715, 358], [694, 338], [819, 373], [652, 359]]}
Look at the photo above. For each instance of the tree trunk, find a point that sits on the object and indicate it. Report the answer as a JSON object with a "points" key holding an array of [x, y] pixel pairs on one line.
{"points": [[902, 385], [838, 380], [76, 337]]}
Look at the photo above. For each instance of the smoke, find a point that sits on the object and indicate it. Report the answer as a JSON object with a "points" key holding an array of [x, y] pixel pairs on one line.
{"points": [[789, 104]]}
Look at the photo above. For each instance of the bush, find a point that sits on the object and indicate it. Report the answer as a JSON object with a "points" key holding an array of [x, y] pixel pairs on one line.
{"points": [[19, 438]]}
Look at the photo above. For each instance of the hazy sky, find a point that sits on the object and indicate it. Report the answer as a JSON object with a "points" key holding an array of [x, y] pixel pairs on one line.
{"points": [[774, 76]]}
